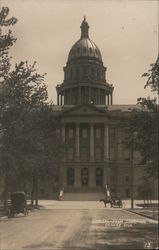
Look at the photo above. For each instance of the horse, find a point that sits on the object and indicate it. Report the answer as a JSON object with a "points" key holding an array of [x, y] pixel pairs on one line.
{"points": [[106, 201]]}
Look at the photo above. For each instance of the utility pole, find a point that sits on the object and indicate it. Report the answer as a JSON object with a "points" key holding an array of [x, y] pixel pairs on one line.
{"points": [[132, 175]]}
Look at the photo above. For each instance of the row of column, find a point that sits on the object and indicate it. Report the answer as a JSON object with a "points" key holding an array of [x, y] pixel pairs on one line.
{"points": [[61, 97], [106, 142]]}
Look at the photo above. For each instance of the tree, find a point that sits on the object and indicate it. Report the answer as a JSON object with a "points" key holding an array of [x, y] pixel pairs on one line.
{"points": [[6, 42], [145, 122], [23, 94], [29, 146]]}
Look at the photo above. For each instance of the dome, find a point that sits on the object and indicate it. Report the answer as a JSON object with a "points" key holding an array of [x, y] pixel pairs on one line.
{"points": [[85, 47]]}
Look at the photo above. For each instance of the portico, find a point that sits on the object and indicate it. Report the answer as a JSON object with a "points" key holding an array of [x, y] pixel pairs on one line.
{"points": [[86, 150]]}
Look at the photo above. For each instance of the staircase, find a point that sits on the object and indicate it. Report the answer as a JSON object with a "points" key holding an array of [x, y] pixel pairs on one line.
{"points": [[83, 194]]}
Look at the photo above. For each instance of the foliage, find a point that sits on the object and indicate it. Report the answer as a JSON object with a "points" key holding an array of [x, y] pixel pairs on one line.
{"points": [[6, 41], [146, 121], [153, 76], [28, 143]]}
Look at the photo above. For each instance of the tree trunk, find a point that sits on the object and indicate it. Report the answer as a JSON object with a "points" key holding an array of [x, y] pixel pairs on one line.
{"points": [[32, 197], [36, 189], [5, 194]]}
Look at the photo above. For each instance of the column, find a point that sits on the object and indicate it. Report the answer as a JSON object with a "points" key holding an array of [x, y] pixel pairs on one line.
{"points": [[64, 95], [77, 143], [61, 98], [79, 95], [92, 176], [70, 98], [77, 182], [111, 98], [108, 99], [98, 97], [63, 141], [106, 142], [57, 98], [91, 142], [89, 94]]}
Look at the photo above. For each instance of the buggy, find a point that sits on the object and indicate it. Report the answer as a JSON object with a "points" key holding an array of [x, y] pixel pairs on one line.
{"points": [[18, 204], [116, 202]]}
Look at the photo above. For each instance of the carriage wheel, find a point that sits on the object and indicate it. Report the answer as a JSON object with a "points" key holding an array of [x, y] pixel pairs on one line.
{"points": [[10, 213], [25, 212]]}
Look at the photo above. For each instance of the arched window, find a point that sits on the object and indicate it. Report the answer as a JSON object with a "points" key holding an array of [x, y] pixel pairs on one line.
{"points": [[77, 74], [84, 49], [71, 74], [99, 176], [84, 176], [98, 73], [90, 49], [92, 72], [70, 176], [78, 50]]}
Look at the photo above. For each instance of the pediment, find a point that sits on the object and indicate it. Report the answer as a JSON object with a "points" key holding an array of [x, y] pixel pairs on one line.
{"points": [[84, 110]]}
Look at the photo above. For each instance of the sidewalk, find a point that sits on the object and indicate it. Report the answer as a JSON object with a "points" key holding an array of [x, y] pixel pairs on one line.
{"points": [[151, 213]]}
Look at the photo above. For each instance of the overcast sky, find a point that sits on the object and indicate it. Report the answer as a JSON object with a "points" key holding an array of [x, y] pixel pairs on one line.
{"points": [[126, 33]]}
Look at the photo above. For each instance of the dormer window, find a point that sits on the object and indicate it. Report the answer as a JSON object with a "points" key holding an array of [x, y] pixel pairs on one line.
{"points": [[84, 49], [78, 50]]}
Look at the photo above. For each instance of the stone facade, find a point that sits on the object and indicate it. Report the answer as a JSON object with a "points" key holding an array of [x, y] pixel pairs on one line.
{"points": [[93, 130]]}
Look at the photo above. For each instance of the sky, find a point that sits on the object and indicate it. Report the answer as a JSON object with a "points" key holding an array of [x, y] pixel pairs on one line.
{"points": [[125, 31]]}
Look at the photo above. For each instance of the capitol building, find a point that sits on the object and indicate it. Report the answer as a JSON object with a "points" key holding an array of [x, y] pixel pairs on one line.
{"points": [[94, 132]]}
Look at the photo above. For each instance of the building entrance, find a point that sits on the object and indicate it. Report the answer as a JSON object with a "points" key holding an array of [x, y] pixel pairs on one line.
{"points": [[84, 176], [70, 177]]}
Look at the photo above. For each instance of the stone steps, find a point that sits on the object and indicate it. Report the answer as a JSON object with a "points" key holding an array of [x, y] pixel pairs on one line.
{"points": [[83, 196]]}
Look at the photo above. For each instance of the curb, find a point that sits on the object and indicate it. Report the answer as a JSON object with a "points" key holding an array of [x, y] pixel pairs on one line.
{"points": [[144, 215]]}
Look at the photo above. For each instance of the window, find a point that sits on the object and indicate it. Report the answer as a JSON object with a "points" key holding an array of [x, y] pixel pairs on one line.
{"points": [[84, 49], [70, 133], [77, 73], [78, 50], [112, 179], [112, 153], [127, 192], [99, 176], [98, 154], [84, 176], [84, 70], [126, 154], [127, 178], [84, 154], [71, 74], [112, 132], [98, 73], [70, 176], [90, 49], [84, 133], [70, 153], [127, 134], [98, 133], [57, 131]]}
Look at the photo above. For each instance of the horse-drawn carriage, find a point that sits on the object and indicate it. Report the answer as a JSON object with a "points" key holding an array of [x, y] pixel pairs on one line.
{"points": [[114, 200], [18, 204]]}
